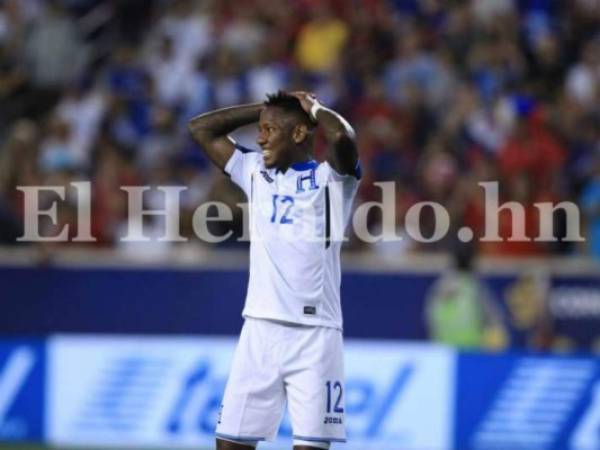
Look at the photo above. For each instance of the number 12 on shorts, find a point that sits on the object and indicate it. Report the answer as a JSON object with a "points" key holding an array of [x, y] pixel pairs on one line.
{"points": [[333, 390]]}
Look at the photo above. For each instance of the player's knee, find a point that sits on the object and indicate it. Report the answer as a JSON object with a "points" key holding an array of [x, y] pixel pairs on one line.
{"points": [[230, 445]]}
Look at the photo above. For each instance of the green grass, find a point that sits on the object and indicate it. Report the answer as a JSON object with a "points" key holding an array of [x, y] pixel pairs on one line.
{"points": [[22, 447]]}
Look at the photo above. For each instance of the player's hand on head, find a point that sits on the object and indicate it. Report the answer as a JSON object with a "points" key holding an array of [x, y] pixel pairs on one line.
{"points": [[307, 99]]}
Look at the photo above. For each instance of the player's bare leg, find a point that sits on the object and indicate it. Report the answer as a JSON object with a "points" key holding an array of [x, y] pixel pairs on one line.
{"points": [[228, 445], [305, 447]]}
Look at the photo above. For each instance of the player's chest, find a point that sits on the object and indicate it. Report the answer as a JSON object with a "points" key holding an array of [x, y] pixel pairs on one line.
{"points": [[286, 199]]}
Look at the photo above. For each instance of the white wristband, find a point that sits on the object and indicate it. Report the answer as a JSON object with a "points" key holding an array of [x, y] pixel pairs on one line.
{"points": [[314, 109]]}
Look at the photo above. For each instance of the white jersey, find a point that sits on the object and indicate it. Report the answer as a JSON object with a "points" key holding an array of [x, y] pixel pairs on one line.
{"points": [[297, 223]]}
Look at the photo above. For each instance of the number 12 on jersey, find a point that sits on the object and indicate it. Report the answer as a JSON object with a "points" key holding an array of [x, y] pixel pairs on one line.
{"points": [[285, 203]]}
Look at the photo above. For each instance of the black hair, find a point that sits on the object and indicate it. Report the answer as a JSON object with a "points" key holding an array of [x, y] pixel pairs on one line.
{"points": [[290, 104]]}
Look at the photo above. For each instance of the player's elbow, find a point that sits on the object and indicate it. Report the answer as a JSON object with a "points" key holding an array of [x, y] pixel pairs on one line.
{"points": [[199, 131], [195, 125]]}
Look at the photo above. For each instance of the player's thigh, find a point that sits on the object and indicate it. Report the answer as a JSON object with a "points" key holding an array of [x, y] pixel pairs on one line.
{"points": [[314, 383], [254, 396]]}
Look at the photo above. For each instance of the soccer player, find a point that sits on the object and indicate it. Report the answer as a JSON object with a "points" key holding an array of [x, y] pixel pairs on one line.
{"points": [[290, 347]]}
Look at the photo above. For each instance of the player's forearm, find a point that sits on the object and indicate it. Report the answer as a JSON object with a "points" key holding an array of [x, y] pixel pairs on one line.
{"points": [[341, 138], [221, 122], [334, 125]]}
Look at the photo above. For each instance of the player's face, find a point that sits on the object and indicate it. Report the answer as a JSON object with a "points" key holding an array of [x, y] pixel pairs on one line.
{"points": [[274, 137]]}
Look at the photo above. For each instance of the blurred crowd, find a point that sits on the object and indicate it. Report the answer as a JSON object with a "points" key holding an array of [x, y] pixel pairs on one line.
{"points": [[443, 95]]}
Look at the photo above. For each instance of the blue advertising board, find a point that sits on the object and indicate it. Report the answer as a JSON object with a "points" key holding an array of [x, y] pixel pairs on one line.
{"points": [[166, 392], [115, 391], [529, 402], [22, 390]]}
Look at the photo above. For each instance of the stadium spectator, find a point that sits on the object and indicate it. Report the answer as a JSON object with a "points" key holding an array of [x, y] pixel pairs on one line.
{"points": [[320, 40], [54, 53], [532, 324], [583, 79], [590, 203], [459, 308], [501, 90]]}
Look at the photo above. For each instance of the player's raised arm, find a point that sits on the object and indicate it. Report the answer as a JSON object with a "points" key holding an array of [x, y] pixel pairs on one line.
{"points": [[343, 154], [211, 130]]}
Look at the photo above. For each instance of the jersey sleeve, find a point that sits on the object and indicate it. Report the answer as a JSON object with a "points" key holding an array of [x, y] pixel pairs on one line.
{"points": [[349, 182], [341, 192], [241, 165]]}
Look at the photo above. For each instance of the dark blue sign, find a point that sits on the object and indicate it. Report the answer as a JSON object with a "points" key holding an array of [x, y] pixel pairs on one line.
{"points": [[536, 313], [22, 397]]}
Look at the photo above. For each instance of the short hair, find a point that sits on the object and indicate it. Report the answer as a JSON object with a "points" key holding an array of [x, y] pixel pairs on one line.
{"points": [[290, 104]]}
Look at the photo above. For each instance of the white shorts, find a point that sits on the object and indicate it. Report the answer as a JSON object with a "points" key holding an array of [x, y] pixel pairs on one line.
{"points": [[275, 362]]}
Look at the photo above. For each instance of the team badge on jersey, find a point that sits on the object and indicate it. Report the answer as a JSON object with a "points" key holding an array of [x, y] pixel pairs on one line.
{"points": [[311, 178]]}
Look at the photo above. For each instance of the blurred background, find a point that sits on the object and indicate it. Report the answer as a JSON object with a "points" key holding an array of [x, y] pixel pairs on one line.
{"points": [[487, 345]]}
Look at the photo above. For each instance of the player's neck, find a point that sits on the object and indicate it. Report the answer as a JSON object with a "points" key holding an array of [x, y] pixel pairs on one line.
{"points": [[297, 158]]}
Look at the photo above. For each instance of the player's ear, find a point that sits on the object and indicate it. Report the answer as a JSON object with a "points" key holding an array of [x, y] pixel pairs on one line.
{"points": [[300, 133]]}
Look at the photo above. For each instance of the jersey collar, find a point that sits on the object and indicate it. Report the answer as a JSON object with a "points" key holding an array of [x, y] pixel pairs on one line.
{"points": [[304, 165], [299, 166]]}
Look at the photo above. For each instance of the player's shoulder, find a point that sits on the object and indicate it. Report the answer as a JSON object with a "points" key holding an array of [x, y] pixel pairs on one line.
{"points": [[244, 150], [250, 155]]}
